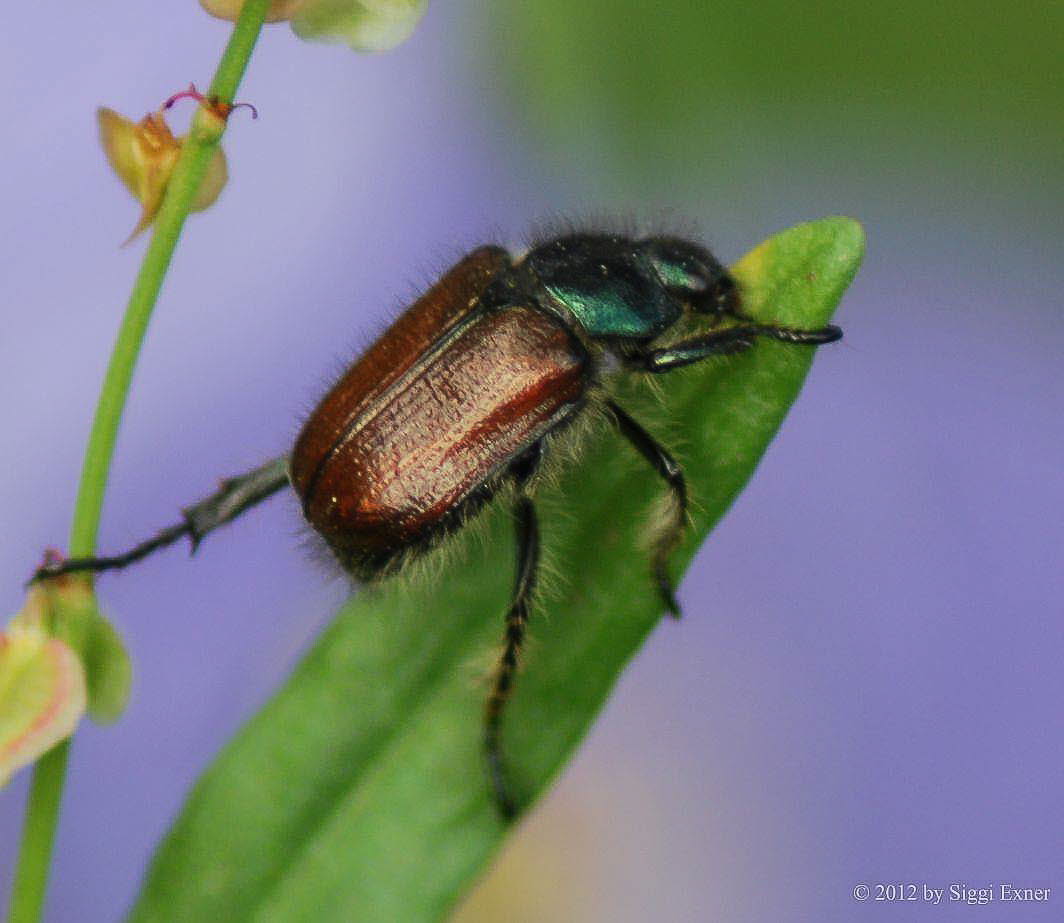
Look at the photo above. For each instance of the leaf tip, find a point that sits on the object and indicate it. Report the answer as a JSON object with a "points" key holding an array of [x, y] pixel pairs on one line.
{"points": [[849, 236]]}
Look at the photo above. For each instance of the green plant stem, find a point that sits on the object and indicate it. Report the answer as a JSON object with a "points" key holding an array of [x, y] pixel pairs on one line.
{"points": [[42, 809], [38, 835]]}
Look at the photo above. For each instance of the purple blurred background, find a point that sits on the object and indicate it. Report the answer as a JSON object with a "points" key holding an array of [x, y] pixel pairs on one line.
{"points": [[867, 685]]}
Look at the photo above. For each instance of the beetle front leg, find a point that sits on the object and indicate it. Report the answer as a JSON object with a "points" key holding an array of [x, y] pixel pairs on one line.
{"points": [[670, 470], [235, 496], [725, 342], [506, 672]]}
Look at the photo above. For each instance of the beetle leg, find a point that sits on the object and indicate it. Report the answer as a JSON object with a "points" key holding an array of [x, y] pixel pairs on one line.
{"points": [[506, 672], [235, 496], [723, 342], [527, 464], [670, 470]]}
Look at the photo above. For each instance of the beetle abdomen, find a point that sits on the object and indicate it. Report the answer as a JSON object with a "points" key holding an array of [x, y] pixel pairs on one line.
{"points": [[406, 463]]}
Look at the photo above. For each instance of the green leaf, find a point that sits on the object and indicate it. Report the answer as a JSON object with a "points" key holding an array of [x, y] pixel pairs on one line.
{"points": [[359, 792]]}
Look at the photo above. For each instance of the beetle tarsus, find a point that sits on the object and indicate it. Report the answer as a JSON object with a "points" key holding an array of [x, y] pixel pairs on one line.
{"points": [[818, 337], [96, 565], [233, 497], [667, 591], [729, 341], [500, 787]]}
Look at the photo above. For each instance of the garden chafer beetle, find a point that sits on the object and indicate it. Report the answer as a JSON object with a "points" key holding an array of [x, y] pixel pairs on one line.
{"points": [[464, 393]]}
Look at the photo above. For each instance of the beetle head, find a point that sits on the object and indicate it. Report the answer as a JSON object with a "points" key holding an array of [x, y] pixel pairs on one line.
{"points": [[692, 274]]}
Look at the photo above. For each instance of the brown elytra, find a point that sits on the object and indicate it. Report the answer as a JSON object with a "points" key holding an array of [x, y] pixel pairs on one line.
{"points": [[425, 424]]}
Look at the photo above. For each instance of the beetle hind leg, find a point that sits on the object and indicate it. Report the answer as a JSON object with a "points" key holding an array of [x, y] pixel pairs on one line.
{"points": [[505, 674], [672, 530], [235, 496]]}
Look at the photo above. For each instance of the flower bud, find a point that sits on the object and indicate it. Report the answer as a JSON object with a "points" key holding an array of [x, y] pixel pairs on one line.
{"points": [[229, 9], [144, 153], [364, 25], [43, 692], [58, 657]]}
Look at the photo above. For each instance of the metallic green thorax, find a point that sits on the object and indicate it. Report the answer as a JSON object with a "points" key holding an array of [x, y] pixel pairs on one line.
{"points": [[611, 291], [606, 310]]}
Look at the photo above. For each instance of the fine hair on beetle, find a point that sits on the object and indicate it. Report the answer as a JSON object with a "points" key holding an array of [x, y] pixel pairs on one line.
{"points": [[465, 542], [483, 388], [563, 447], [427, 563]]}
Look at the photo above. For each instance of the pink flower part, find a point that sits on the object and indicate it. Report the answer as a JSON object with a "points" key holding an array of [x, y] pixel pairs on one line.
{"points": [[42, 695]]}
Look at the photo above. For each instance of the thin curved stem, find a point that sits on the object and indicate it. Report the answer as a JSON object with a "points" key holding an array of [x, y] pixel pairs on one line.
{"points": [[42, 809]]}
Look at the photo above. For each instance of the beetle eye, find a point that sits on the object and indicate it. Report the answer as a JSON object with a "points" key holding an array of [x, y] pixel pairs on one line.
{"points": [[712, 290], [725, 295], [681, 275], [691, 273]]}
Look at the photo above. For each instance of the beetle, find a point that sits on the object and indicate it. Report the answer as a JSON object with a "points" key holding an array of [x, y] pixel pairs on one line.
{"points": [[464, 393]]}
